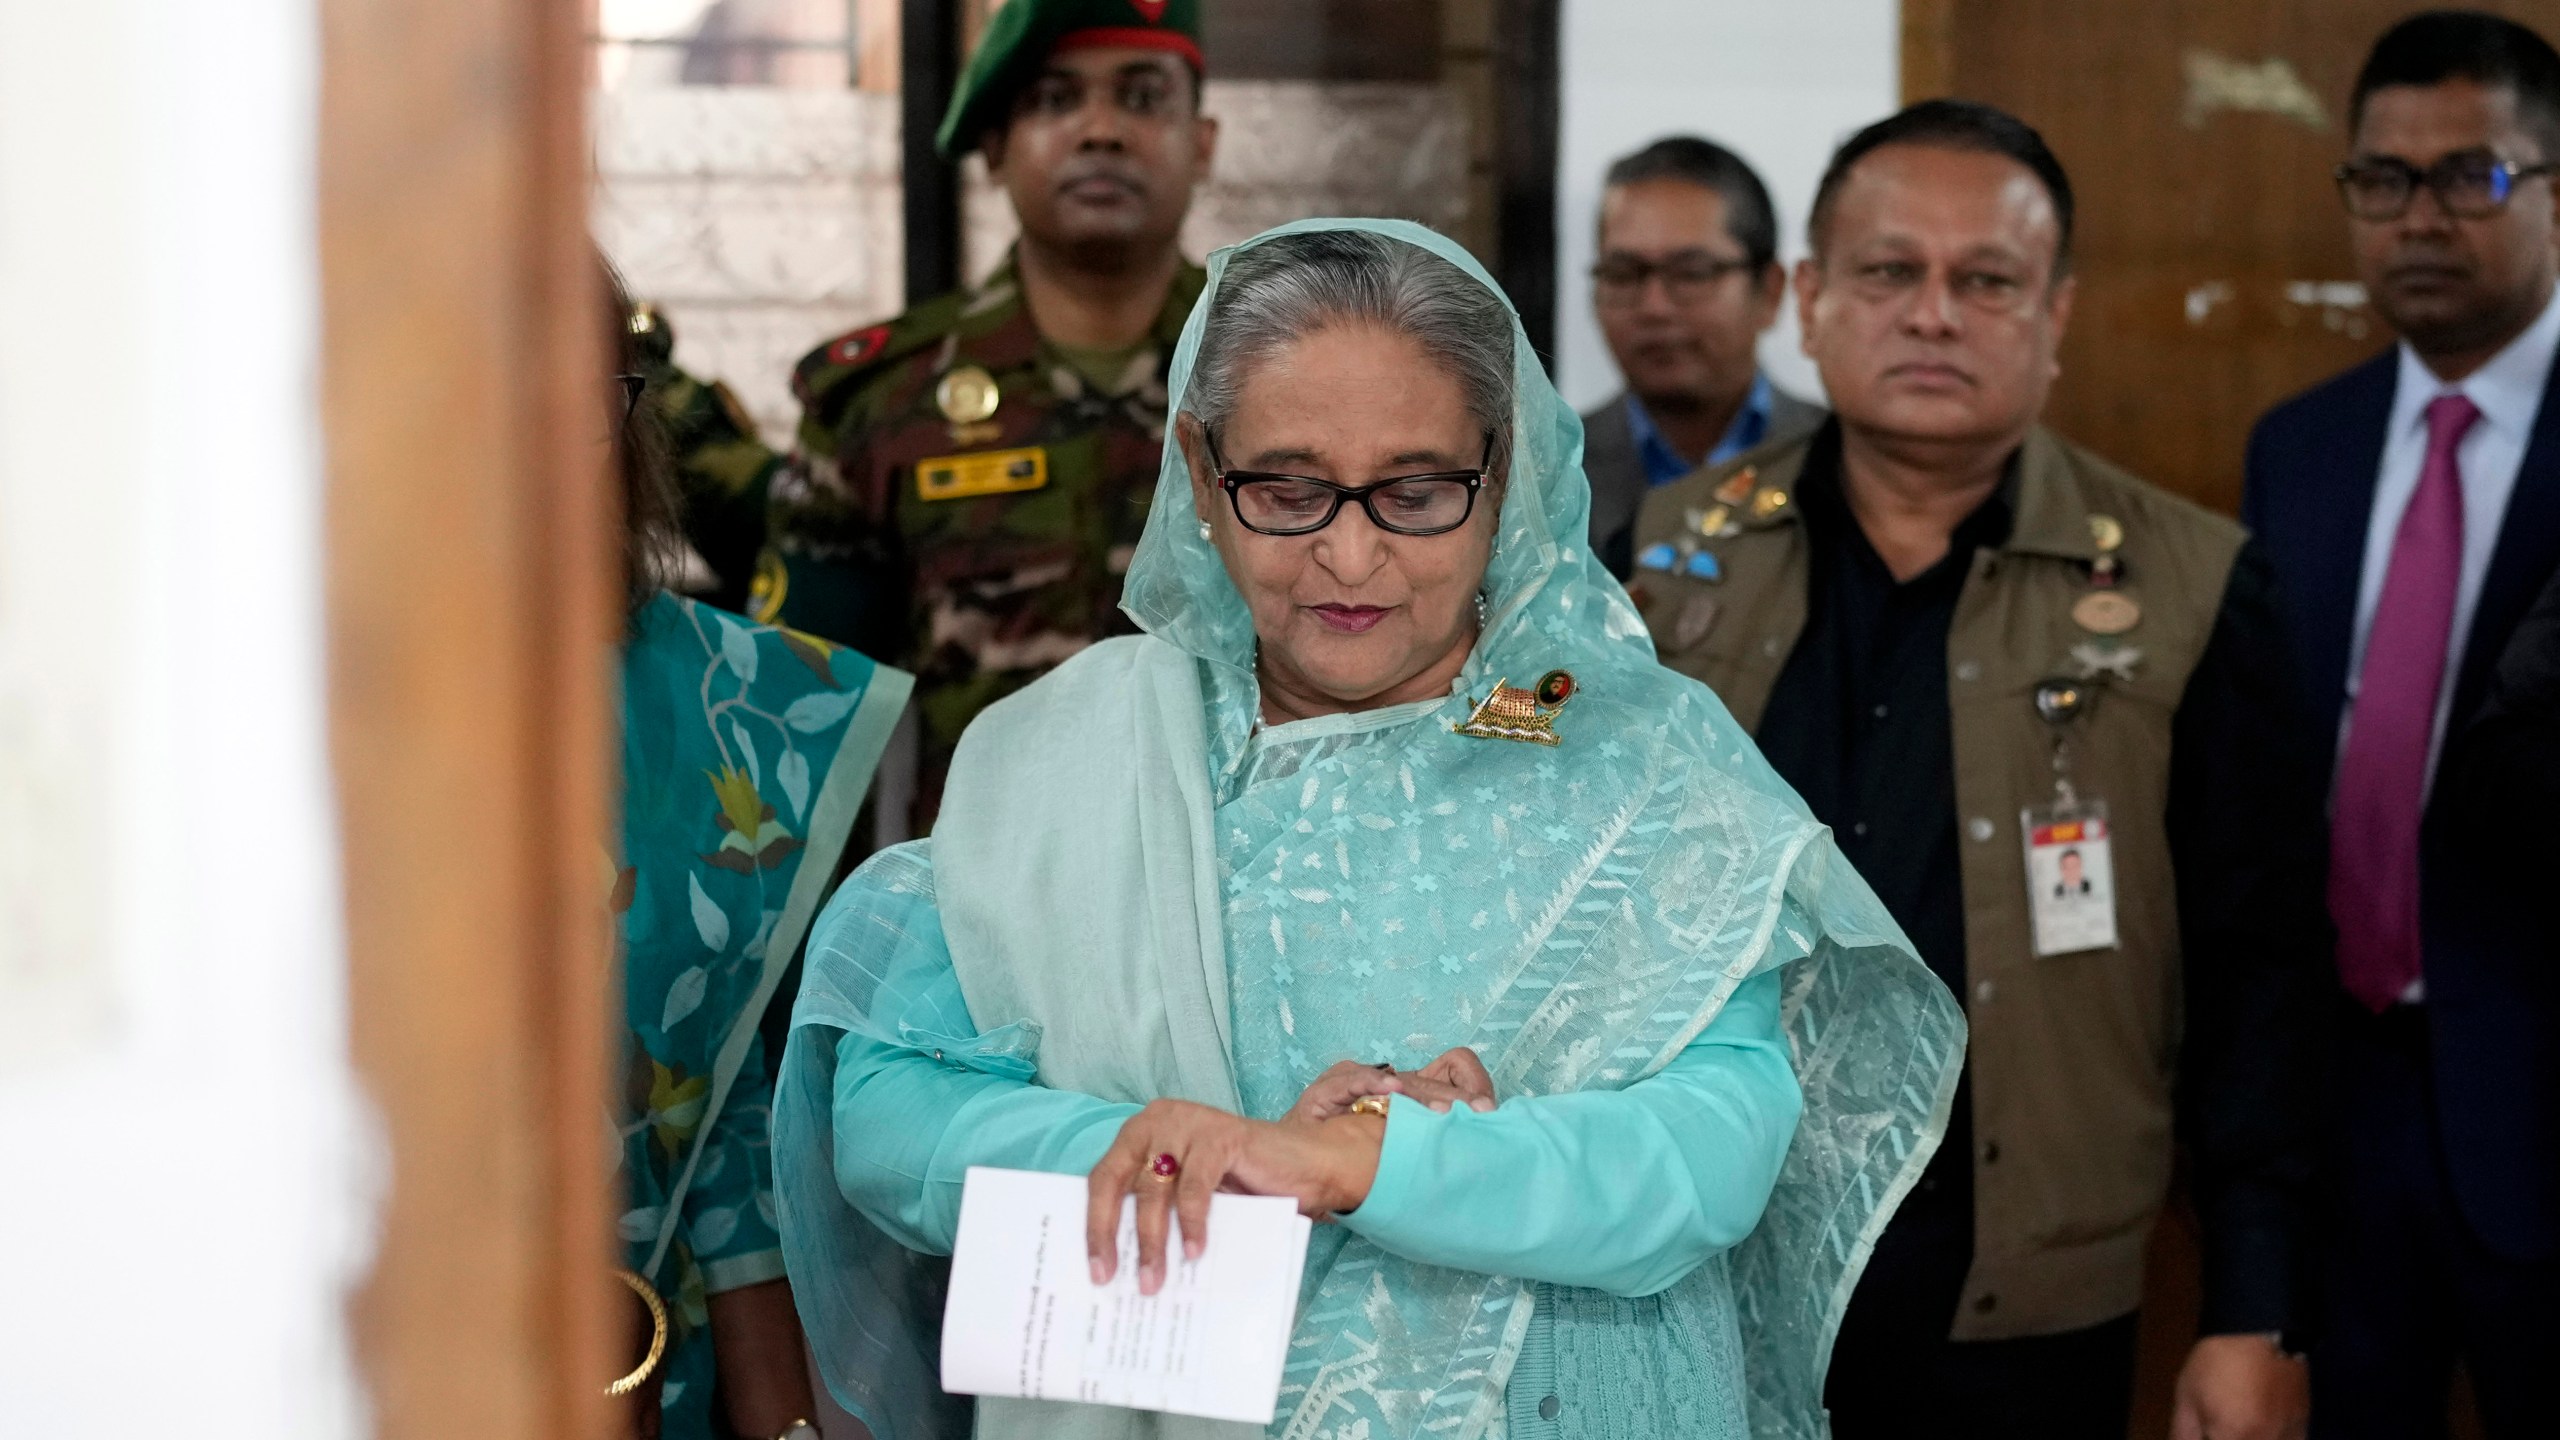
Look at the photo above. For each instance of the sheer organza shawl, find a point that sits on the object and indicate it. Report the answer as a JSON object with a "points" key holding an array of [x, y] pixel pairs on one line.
{"points": [[1072, 923]]}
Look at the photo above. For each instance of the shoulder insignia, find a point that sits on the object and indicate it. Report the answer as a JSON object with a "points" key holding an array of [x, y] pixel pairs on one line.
{"points": [[860, 347], [652, 338], [993, 297]]}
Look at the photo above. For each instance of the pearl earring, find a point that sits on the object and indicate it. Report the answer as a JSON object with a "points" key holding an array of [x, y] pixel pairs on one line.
{"points": [[1204, 529]]}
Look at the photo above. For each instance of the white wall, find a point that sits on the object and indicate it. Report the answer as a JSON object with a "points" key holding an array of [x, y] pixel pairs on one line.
{"points": [[180, 1193], [1780, 82]]}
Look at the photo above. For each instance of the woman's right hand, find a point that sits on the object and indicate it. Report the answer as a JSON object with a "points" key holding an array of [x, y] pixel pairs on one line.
{"points": [[1200, 1143], [1325, 1167]]}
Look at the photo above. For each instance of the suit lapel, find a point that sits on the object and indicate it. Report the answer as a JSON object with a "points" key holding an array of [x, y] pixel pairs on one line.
{"points": [[1610, 461], [2527, 549], [2335, 515]]}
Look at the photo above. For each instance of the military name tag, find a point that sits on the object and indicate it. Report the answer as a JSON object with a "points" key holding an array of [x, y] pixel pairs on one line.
{"points": [[989, 472]]}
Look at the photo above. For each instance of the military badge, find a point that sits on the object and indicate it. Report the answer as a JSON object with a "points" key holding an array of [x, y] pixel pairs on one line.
{"points": [[1697, 617], [2106, 612], [1737, 487], [966, 395], [2106, 660]]}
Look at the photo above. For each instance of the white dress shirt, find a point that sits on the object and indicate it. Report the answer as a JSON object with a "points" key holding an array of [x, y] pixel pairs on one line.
{"points": [[2508, 391]]}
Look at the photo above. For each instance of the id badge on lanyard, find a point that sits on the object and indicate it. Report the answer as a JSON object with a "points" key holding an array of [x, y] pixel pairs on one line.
{"points": [[2071, 877], [2071, 873]]}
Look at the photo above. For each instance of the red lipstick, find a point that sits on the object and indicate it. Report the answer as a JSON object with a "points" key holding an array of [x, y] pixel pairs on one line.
{"points": [[1350, 619]]}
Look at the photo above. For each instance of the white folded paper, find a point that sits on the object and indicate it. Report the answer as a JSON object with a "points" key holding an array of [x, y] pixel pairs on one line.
{"points": [[1025, 1318]]}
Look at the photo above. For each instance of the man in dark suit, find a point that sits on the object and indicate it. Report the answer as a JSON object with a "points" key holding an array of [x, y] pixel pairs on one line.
{"points": [[2502, 797], [1688, 279], [2412, 509]]}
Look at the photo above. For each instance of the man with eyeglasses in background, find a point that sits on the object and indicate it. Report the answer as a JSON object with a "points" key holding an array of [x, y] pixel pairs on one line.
{"points": [[2412, 509], [971, 478], [1975, 649], [1687, 281]]}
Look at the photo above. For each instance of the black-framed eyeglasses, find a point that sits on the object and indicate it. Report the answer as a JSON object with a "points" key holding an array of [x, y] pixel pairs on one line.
{"points": [[1432, 504], [2469, 184], [1686, 277], [631, 388]]}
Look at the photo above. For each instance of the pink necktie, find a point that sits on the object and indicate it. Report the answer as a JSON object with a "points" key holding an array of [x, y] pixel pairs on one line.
{"points": [[2382, 779]]}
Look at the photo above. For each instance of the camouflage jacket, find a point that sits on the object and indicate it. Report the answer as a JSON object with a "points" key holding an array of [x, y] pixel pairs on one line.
{"points": [[723, 469], [975, 544]]}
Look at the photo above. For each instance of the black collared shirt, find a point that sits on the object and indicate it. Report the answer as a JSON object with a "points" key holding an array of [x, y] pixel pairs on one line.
{"points": [[1859, 723]]}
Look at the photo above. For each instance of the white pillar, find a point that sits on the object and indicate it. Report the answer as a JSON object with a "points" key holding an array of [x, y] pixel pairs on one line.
{"points": [[1778, 84], [182, 1193]]}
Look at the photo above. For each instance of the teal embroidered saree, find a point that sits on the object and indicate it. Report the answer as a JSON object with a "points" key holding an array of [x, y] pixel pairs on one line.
{"points": [[745, 753], [1136, 891]]}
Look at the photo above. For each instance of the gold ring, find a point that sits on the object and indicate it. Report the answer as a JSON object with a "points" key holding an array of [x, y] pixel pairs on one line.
{"points": [[657, 1334], [1370, 1105]]}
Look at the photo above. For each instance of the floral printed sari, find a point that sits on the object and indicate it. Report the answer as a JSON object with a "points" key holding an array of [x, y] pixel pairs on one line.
{"points": [[745, 754]]}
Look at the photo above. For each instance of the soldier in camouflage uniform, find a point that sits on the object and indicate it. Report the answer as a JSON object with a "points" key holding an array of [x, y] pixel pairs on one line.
{"points": [[971, 478], [724, 471]]}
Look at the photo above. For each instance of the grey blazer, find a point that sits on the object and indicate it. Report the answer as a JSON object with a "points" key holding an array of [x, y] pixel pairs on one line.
{"points": [[1609, 458]]}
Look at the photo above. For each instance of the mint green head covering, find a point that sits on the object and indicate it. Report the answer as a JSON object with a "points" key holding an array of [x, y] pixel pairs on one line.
{"points": [[1549, 603], [1137, 892]]}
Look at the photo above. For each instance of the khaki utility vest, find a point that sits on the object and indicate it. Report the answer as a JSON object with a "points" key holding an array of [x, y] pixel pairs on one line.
{"points": [[2072, 1055]]}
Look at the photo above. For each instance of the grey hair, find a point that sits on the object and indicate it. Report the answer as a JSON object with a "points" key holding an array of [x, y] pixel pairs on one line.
{"points": [[1289, 287]]}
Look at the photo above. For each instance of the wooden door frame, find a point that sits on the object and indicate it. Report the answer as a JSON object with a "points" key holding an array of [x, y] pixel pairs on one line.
{"points": [[1527, 118], [1928, 49], [928, 71], [473, 607]]}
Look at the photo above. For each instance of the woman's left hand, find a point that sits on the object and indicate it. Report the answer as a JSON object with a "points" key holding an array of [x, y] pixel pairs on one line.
{"points": [[1456, 1078], [1461, 1071]]}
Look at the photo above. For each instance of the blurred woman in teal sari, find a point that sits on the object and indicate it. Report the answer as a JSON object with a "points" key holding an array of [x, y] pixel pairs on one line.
{"points": [[745, 754], [1391, 780]]}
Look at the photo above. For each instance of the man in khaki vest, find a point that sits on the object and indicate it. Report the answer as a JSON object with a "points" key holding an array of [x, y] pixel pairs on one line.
{"points": [[1976, 649]]}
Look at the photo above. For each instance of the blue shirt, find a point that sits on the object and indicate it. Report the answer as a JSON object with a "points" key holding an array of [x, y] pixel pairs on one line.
{"points": [[1662, 464]]}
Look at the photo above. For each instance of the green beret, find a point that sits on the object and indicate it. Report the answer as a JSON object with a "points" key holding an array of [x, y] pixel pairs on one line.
{"points": [[1023, 34]]}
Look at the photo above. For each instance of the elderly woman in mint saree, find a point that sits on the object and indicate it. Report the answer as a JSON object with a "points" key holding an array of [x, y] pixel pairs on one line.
{"points": [[1177, 881]]}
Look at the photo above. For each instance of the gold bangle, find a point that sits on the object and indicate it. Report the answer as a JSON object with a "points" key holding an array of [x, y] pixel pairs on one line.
{"points": [[1370, 1105], [657, 1334]]}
